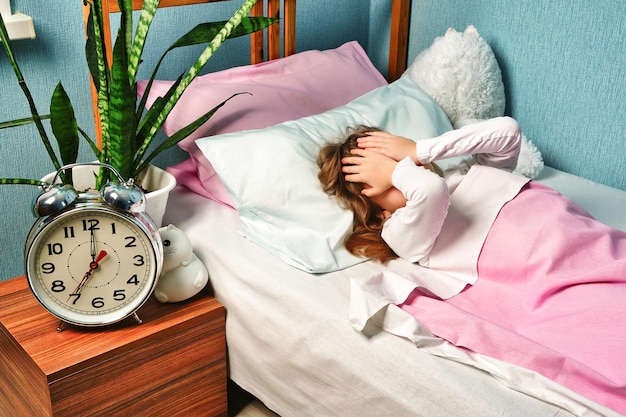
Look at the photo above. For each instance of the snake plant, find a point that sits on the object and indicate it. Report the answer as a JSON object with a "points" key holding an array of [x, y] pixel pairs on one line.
{"points": [[127, 129]]}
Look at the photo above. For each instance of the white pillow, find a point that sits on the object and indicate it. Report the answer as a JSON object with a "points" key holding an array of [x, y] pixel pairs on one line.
{"points": [[271, 173], [303, 84]]}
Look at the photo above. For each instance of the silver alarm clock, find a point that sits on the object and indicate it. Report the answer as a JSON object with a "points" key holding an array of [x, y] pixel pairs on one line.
{"points": [[92, 258]]}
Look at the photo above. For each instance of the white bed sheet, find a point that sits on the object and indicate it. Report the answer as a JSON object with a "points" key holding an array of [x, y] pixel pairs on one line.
{"points": [[290, 342]]}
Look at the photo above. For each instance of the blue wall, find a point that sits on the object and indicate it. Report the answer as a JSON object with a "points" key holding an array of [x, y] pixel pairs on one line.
{"points": [[564, 69], [57, 54]]}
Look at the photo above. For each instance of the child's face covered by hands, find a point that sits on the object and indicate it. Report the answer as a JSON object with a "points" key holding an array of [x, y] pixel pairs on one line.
{"points": [[370, 168], [374, 170]]}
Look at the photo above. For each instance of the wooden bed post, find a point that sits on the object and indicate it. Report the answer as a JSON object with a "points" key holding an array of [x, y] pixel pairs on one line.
{"points": [[289, 27], [257, 39], [399, 39]]}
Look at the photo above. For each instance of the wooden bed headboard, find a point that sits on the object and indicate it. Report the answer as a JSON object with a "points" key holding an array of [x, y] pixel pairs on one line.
{"points": [[398, 44], [257, 39]]}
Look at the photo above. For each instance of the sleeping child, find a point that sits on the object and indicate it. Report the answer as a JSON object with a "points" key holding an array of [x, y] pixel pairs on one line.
{"points": [[544, 278]]}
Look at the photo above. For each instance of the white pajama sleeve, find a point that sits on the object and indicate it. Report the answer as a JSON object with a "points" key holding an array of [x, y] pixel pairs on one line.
{"points": [[411, 231], [495, 142]]}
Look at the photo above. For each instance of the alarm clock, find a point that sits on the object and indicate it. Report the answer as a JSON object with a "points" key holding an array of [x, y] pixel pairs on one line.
{"points": [[92, 258]]}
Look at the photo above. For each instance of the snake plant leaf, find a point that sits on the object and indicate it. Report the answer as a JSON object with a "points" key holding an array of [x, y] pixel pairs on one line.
{"points": [[152, 114], [204, 33], [195, 69], [64, 126], [126, 25], [91, 143], [148, 10], [182, 134], [122, 123], [65, 129], [97, 63], [23, 181], [21, 122], [90, 53]]}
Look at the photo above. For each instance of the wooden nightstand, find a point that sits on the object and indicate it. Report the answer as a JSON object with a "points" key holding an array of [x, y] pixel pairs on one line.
{"points": [[174, 364]]}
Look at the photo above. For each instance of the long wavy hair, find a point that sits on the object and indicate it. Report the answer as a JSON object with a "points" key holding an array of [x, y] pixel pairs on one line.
{"points": [[368, 219]]}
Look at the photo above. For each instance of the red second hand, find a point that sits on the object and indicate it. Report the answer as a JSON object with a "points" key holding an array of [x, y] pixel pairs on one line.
{"points": [[92, 265], [100, 256]]}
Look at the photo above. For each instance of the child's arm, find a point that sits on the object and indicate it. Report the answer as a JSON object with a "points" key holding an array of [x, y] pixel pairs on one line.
{"points": [[412, 230], [494, 142]]}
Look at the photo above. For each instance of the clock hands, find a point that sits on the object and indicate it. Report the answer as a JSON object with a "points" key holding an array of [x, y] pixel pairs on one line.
{"points": [[92, 266], [92, 249]]}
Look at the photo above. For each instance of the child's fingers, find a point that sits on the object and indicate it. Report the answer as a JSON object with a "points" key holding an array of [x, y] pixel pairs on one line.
{"points": [[371, 191], [357, 159], [351, 160], [350, 169], [352, 178], [367, 142]]}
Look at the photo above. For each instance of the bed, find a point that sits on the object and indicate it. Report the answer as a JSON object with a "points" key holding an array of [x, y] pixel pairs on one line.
{"points": [[290, 332]]}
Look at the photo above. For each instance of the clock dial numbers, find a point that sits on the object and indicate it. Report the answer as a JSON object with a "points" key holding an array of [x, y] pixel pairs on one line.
{"points": [[93, 264]]}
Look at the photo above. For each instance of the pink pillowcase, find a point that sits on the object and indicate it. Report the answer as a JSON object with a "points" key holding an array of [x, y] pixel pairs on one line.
{"points": [[300, 85]]}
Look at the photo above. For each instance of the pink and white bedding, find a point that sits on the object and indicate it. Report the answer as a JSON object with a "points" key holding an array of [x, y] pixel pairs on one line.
{"points": [[289, 334], [290, 342], [566, 325]]}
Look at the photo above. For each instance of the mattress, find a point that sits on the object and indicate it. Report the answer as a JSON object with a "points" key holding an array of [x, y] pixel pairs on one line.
{"points": [[290, 342]]}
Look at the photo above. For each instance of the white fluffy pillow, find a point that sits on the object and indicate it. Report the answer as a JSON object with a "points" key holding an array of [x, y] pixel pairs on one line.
{"points": [[271, 173]]}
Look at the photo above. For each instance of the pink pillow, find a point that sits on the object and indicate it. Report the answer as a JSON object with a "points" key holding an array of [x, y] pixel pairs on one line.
{"points": [[300, 85]]}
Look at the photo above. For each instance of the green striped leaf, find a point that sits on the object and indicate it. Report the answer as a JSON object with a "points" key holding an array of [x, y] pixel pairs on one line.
{"points": [[90, 53], [181, 134], [152, 114], [205, 32], [126, 24], [23, 181], [122, 122], [202, 34], [98, 66], [208, 52], [148, 11], [65, 128], [21, 122]]}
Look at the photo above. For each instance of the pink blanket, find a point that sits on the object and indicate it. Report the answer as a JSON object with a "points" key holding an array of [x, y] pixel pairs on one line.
{"points": [[551, 297]]}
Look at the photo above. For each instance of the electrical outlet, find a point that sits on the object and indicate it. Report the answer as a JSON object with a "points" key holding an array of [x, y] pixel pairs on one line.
{"points": [[19, 26]]}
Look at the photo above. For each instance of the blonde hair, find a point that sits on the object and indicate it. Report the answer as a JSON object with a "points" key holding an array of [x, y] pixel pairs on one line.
{"points": [[365, 239]]}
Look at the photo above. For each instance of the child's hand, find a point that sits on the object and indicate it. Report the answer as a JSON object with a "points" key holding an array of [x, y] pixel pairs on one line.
{"points": [[395, 147], [371, 168]]}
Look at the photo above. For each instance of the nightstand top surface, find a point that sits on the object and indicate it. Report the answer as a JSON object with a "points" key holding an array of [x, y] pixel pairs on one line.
{"points": [[35, 329]]}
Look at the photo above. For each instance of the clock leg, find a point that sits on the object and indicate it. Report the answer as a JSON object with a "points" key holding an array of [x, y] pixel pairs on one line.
{"points": [[136, 316]]}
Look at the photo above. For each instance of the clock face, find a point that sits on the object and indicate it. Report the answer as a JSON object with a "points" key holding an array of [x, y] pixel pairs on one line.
{"points": [[92, 266]]}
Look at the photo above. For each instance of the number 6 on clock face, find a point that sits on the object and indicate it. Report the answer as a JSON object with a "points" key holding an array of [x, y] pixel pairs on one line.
{"points": [[93, 265]]}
